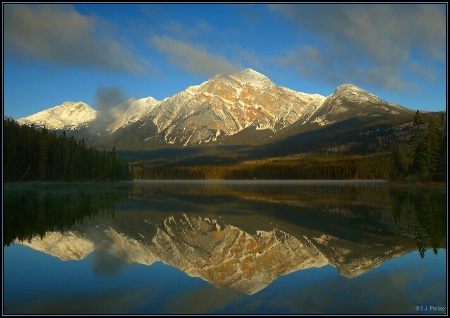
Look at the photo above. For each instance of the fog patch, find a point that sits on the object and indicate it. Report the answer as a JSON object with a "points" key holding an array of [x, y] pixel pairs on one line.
{"points": [[110, 103]]}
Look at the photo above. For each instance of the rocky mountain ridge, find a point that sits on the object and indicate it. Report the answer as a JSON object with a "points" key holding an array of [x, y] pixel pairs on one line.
{"points": [[213, 112]]}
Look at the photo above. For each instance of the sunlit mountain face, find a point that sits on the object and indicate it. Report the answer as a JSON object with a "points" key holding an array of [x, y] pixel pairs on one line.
{"points": [[242, 236], [245, 108]]}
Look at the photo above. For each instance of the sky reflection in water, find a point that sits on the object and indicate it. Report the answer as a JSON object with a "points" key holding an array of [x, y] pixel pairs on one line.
{"points": [[108, 282]]}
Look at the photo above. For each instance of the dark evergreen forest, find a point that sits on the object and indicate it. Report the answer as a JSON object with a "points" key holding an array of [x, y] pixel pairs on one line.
{"points": [[32, 154], [423, 157]]}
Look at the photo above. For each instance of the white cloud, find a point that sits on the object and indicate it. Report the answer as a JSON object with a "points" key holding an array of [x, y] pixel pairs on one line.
{"points": [[194, 59], [57, 33], [369, 43]]}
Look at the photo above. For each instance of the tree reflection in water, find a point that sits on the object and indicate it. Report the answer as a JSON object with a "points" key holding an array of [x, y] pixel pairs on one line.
{"points": [[31, 210], [425, 210]]}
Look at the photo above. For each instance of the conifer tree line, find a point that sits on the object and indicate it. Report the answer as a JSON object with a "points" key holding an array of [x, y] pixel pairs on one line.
{"points": [[32, 154], [340, 167], [423, 157]]}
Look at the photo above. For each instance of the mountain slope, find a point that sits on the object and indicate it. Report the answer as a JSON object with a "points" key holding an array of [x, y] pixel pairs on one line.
{"points": [[69, 115], [350, 101], [225, 105], [245, 109]]}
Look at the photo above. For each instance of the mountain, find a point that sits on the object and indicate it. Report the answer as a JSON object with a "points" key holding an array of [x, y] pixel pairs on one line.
{"points": [[76, 116], [245, 109], [69, 115], [224, 106], [349, 101], [218, 251]]}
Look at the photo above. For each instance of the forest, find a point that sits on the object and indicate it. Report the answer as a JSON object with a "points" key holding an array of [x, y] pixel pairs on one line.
{"points": [[336, 167], [423, 157], [32, 154]]}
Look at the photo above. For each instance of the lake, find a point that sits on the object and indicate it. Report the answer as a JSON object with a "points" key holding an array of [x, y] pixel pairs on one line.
{"points": [[224, 247]]}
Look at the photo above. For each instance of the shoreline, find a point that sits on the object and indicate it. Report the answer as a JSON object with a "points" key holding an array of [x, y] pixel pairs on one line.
{"points": [[249, 181]]}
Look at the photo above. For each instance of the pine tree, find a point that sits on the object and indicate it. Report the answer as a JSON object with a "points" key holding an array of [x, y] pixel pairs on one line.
{"points": [[424, 157], [417, 143], [32, 154]]}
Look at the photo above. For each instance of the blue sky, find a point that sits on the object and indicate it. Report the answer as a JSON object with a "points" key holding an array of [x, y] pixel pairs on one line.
{"points": [[53, 53]]}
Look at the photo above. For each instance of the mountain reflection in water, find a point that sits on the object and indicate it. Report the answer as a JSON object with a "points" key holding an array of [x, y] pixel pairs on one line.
{"points": [[241, 235]]}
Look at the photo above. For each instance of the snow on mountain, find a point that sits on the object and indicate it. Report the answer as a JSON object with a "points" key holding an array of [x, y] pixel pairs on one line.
{"points": [[253, 78], [220, 107], [351, 101], [227, 104], [352, 93], [128, 112], [69, 115], [73, 116], [66, 246]]}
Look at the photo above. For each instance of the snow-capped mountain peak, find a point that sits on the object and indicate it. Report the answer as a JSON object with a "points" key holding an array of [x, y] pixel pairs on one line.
{"points": [[227, 104], [69, 115], [349, 89], [129, 112], [215, 110], [252, 78]]}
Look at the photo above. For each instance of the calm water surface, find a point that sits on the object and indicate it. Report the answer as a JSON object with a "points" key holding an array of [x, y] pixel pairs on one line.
{"points": [[248, 247]]}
